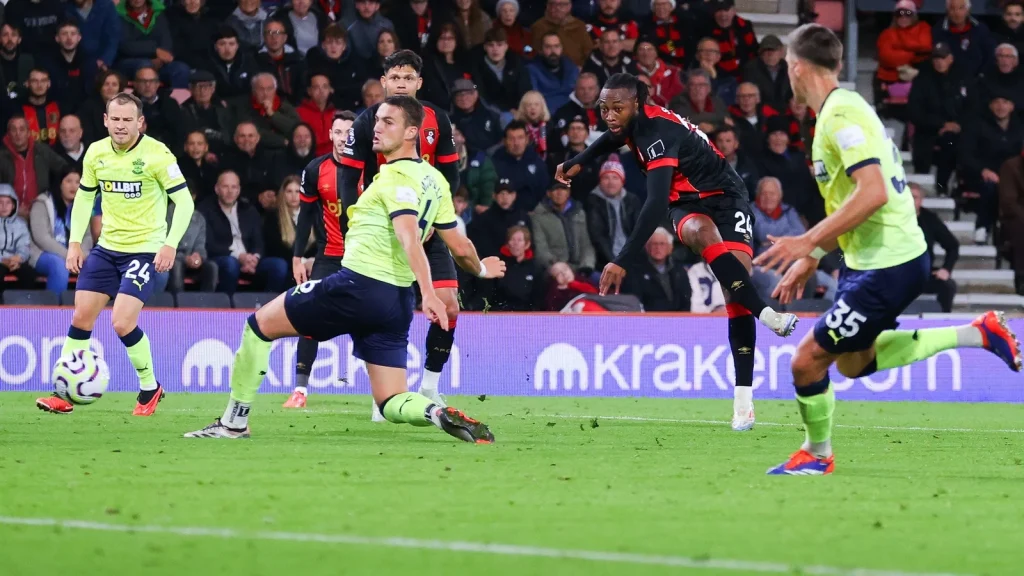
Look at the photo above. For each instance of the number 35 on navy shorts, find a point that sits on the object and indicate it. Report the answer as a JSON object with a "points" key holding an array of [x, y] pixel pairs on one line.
{"points": [[112, 273], [868, 303]]}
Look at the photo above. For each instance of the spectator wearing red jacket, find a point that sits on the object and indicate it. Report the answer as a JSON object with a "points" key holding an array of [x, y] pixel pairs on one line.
{"points": [[564, 287], [518, 36], [318, 112], [665, 81], [736, 38]]}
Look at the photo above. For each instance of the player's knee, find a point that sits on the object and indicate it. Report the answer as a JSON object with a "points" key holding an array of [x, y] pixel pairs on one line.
{"points": [[807, 368], [452, 309], [122, 326]]}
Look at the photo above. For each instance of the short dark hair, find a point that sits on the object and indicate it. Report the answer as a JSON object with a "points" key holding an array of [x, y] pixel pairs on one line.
{"points": [[225, 31], [499, 35], [39, 69], [334, 31], [401, 58], [125, 98], [818, 45], [68, 24], [411, 109], [724, 128], [344, 115], [1019, 3], [550, 33], [631, 84], [515, 125]]}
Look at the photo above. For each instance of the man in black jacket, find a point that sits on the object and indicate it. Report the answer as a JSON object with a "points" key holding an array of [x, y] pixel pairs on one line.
{"points": [[234, 240], [480, 125], [193, 29], [582, 103], [500, 75], [935, 231], [1010, 29], [488, 230], [207, 114], [284, 62], [990, 138], [232, 67], [770, 73], [611, 211], [336, 60], [728, 143], [258, 168], [1005, 76], [938, 105], [609, 59], [164, 120], [661, 284]]}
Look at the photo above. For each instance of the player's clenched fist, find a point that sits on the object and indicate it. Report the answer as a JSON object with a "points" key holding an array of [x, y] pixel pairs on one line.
{"points": [[494, 267], [74, 259], [164, 259]]}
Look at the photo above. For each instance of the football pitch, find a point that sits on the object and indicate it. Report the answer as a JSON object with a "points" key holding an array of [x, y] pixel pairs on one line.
{"points": [[572, 486]]}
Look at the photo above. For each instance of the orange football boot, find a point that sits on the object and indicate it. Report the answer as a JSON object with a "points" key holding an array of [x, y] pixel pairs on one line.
{"points": [[55, 405], [296, 400], [149, 408]]}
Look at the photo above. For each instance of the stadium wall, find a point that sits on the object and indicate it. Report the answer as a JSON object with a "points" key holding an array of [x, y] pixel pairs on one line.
{"points": [[658, 356]]}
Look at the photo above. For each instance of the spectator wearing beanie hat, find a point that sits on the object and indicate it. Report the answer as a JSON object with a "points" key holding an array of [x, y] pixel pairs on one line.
{"points": [[518, 37], [611, 212]]}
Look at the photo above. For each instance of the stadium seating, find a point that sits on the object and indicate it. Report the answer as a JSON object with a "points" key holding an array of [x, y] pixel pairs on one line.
{"points": [[30, 298], [924, 307], [809, 305], [203, 300], [251, 300], [161, 300]]}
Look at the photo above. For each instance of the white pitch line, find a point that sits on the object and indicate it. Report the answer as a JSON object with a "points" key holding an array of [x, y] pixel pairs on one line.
{"points": [[471, 547], [684, 421]]}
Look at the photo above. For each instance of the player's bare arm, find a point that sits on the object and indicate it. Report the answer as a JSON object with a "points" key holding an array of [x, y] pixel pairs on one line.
{"points": [[466, 257], [868, 197], [408, 232]]}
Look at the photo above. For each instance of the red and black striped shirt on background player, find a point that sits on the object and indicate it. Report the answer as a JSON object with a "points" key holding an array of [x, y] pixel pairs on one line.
{"points": [[436, 145], [321, 182]]}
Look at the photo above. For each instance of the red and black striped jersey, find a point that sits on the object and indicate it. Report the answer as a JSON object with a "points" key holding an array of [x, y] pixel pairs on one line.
{"points": [[659, 137], [321, 182], [436, 145]]}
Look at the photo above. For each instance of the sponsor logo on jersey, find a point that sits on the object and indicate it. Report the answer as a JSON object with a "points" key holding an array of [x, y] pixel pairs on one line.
{"points": [[351, 140], [431, 135], [130, 190], [820, 173], [333, 208], [655, 150]]}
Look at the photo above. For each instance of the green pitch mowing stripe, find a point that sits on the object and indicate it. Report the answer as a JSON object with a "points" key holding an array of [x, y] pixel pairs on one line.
{"points": [[470, 547], [919, 488]]}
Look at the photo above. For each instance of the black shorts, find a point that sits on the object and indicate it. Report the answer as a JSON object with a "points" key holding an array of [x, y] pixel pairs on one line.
{"points": [[324, 266], [375, 314], [442, 266], [731, 215], [868, 302]]}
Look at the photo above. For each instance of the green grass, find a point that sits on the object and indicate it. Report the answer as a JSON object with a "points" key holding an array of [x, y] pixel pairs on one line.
{"points": [[903, 500]]}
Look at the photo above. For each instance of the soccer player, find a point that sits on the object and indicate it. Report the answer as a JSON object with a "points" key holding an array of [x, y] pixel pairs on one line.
{"points": [[871, 217], [371, 297], [136, 175], [436, 146], [322, 209], [707, 202]]}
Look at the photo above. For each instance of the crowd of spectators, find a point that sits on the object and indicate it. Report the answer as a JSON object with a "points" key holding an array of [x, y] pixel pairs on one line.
{"points": [[521, 85], [958, 84]]}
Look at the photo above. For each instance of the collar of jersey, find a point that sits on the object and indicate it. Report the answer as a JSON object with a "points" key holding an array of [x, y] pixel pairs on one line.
{"points": [[416, 160], [112, 147]]}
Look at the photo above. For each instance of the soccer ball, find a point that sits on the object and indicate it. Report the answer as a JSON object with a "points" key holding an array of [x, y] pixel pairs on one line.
{"points": [[80, 377]]}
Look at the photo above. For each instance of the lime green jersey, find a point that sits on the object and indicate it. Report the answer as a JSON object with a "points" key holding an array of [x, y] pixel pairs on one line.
{"points": [[849, 136], [134, 185], [407, 186]]}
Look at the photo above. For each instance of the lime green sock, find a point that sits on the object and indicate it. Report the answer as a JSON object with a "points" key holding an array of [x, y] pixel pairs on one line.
{"points": [[137, 344], [408, 408], [816, 412], [895, 348], [251, 363], [77, 339]]}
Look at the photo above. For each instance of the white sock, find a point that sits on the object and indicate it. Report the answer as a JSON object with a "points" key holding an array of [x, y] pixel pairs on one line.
{"points": [[742, 399], [236, 416], [434, 412], [818, 449], [968, 336], [301, 389], [429, 381]]}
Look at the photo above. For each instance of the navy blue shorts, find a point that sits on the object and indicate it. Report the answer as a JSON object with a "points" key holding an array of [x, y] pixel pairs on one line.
{"points": [[377, 315], [868, 303], [112, 273]]}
